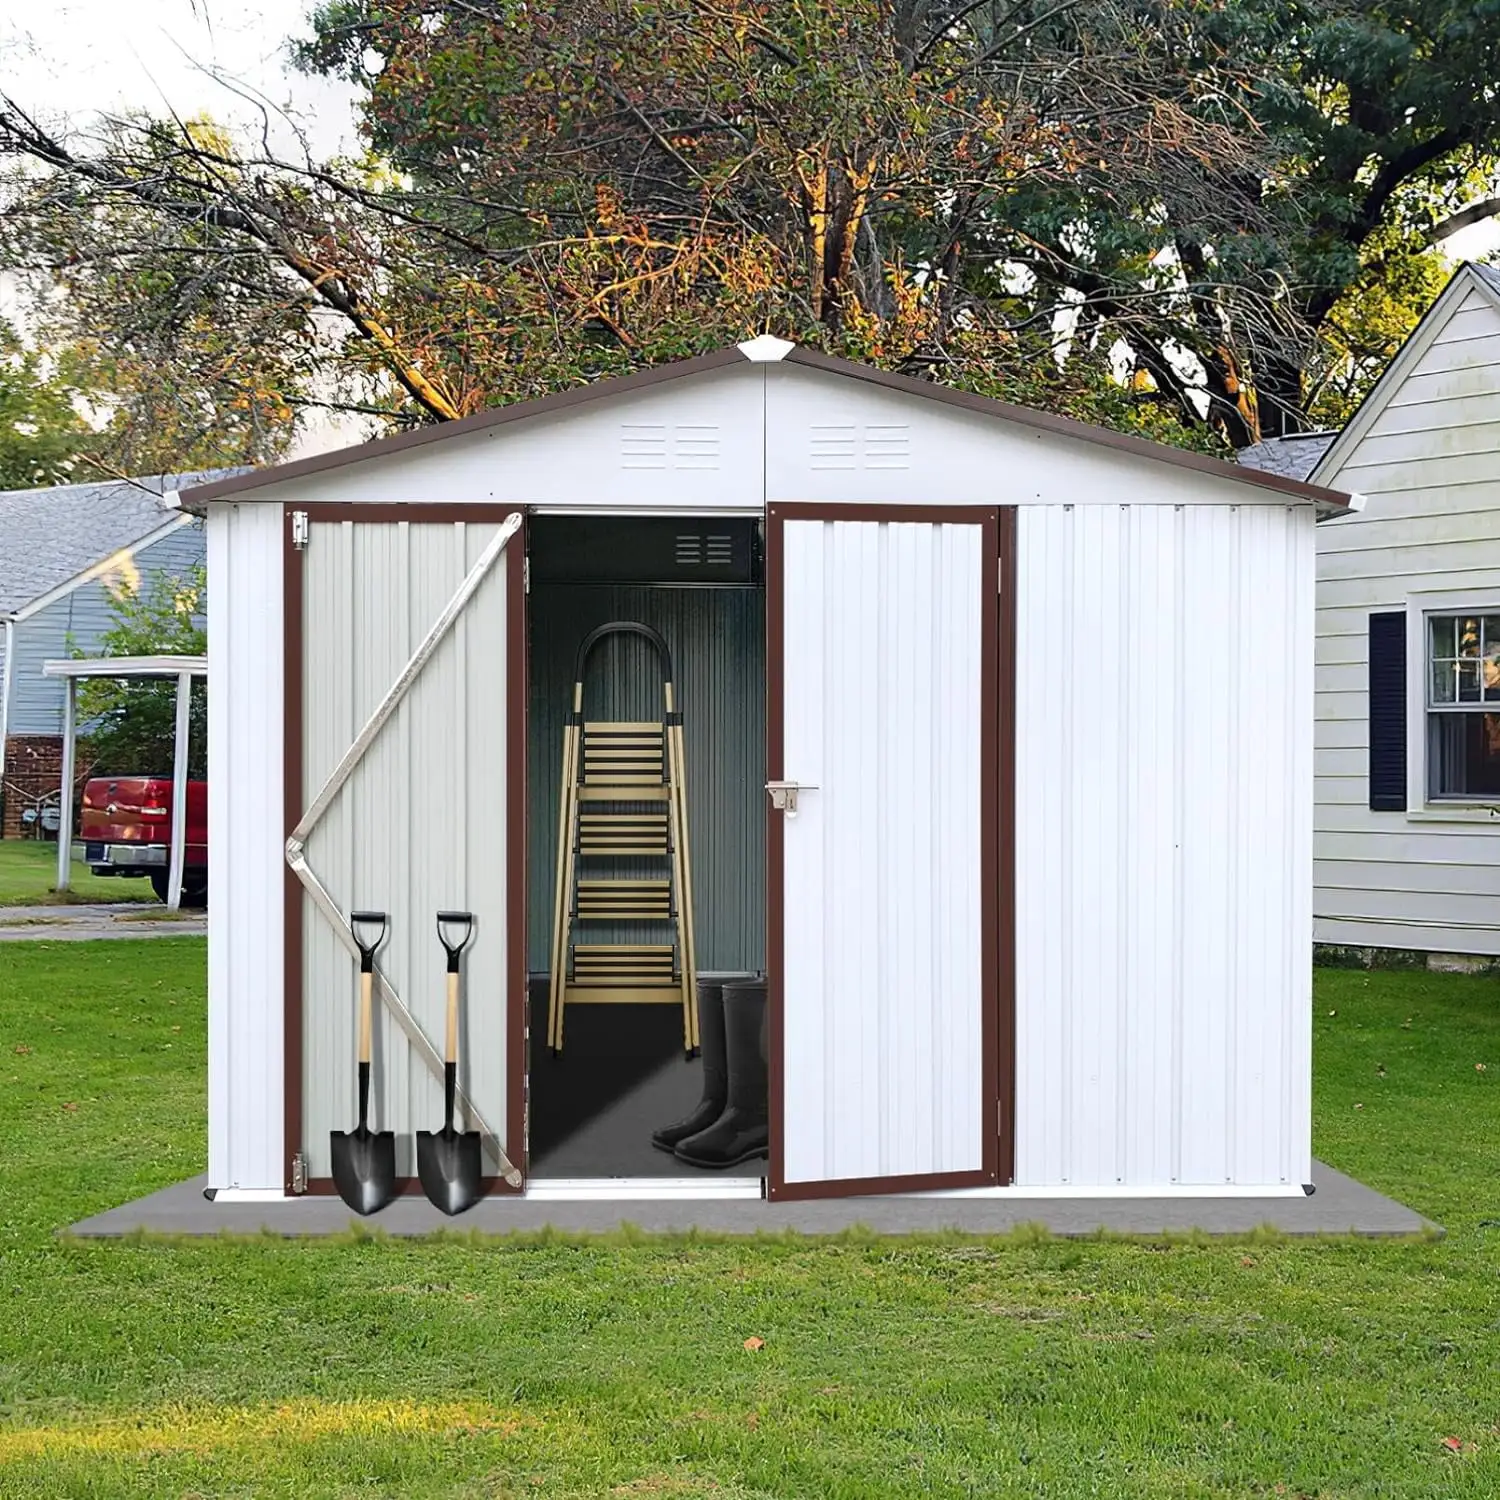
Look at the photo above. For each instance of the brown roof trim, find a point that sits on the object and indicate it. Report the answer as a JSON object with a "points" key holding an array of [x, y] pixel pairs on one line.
{"points": [[1040, 421], [194, 499], [1085, 432]]}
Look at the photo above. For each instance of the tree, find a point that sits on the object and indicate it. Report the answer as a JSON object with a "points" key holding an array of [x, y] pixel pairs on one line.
{"points": [[131, 723], [1010, 195], [42, 434]]}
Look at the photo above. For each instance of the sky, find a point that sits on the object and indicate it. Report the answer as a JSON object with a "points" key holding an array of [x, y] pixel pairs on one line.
{"points": [[69, 58]]}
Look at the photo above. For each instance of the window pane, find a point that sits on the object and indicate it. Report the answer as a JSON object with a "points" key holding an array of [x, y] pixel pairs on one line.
{"points": [[1443, 637], [1467, 678], [1444, 682], [1463, 755], [1468, 636]]}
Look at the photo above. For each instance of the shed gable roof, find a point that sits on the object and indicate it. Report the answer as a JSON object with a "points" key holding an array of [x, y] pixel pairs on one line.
{"points": [[49, 536], [758, 351]]}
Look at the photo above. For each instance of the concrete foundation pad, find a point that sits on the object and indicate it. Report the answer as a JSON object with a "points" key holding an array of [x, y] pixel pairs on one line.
{"points": [[1339, 1206]]}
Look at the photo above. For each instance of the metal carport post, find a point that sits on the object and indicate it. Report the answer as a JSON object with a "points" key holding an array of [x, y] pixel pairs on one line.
{"points": [[184, 669]]}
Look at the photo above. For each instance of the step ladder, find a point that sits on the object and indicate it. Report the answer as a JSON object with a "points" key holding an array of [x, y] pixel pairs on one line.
{"points": [[623, 797]]}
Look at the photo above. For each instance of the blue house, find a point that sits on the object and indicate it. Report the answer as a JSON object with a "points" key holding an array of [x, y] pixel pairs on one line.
{"points": [[64, 552]]}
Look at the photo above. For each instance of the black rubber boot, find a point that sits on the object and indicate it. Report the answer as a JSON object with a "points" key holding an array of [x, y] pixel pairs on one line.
{"points": [[715, 1072], [743, 1130]]}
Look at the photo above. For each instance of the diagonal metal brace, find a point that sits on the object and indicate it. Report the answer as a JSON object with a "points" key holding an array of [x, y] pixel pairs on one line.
{"points": [[296, 844]]}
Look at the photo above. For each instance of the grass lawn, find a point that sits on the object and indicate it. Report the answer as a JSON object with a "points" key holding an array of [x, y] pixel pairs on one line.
{"points": [[1019, 1366], [28, 871]]}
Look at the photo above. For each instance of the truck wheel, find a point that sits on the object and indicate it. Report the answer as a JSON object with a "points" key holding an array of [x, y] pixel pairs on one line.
{"points": [[194, 889]]}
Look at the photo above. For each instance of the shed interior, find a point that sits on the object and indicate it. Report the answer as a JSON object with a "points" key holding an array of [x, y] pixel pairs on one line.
{"points": [[697, 581]]}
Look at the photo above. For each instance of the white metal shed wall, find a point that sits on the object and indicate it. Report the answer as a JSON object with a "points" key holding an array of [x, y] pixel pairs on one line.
{"points": [[1163, 892], [245, 832], [1163, 845], [1429, 465]]}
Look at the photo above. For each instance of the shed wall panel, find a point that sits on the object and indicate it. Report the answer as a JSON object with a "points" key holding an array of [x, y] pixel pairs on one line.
{"points": [[246, 870], [686, 445], [1429, 462], [1163, 845], [396, 838]]}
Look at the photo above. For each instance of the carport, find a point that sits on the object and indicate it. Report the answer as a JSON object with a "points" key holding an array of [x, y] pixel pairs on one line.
{"points": [[184, 669]]}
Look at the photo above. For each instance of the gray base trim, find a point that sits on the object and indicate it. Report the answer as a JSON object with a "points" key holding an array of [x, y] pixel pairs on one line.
{"points": [[1342, 1206]]}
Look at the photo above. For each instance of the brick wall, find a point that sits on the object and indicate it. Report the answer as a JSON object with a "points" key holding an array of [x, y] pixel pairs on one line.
{"points": [[33, 770]]}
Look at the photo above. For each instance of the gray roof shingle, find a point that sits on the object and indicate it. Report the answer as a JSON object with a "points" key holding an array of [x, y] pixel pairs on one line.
{"points": [[48, 536], [1293, 457]]}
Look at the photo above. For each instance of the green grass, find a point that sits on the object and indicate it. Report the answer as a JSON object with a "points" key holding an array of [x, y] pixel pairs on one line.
{"points": [[28, 872], [1020, 1366]]}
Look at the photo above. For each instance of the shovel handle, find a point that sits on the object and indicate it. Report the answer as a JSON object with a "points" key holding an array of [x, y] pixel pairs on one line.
{"points": [[451, 1055], [464, 922], [376, 919]]}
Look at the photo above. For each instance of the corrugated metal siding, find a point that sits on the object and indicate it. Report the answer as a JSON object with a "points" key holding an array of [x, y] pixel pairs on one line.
{"points": [[245, 865], [80, 619], [882, 1054], [717, 640], [1163, 853], [1430, 465], [419, 827]]}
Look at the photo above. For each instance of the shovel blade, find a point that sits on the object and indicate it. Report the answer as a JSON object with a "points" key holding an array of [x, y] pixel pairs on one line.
{"points": [[364, 1168], [450, 1168]]}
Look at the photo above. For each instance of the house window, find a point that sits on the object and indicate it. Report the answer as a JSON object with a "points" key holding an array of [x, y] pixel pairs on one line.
{"points": [[1463, 706]]}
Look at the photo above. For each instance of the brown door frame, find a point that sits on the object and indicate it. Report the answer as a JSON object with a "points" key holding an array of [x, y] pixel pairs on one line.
{"points": [[515, 817], [997, 842]]}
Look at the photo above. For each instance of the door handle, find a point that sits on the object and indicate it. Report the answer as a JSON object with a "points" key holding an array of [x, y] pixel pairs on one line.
{"points": [[784, 795]]}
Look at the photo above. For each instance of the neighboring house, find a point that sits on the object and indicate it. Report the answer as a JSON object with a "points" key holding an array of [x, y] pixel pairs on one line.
{"points": [[63, 553], [1407, 841]]}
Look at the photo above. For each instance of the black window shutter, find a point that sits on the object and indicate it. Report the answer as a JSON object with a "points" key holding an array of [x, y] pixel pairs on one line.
{"points": [[1388, 711]]}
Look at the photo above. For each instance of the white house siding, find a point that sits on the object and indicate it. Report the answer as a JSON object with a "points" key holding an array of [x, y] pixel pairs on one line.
{"points": [[1163, 845], [1429, 463], [245, 866], [80, 618]]}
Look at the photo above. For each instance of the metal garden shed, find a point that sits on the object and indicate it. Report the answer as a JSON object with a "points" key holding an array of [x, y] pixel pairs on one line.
{"points": [[1032, 702]]}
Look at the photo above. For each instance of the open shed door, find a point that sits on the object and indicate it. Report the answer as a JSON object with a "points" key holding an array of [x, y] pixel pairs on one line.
{"points": [[884, 902], [406, 692]]}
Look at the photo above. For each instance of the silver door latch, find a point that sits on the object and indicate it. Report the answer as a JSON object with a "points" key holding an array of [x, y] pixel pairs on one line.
{"points": [[300, 529], [784, 795]]}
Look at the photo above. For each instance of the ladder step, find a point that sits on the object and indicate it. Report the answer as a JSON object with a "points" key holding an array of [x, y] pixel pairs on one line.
{"points": [[623, 754], [614, 963], [613, 900], [602, 834]]}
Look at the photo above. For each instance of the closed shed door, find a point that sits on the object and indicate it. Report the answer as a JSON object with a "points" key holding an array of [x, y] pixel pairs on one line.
{"points": [[884, 902], [429, 819]]}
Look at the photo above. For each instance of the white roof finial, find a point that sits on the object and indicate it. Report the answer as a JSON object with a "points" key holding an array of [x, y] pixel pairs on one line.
{"points": [[767, 348]]}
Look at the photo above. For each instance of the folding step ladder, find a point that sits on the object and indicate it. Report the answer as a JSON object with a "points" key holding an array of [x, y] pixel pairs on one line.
{"points": [[623, 797]]}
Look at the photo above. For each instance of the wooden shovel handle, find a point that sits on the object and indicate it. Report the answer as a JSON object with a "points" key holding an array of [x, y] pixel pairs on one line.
{"points": [[366, 990], [451, 1055]]}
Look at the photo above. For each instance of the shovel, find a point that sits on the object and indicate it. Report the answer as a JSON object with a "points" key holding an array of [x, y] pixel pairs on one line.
{"points": [[448, 1162], [364, 1161]]}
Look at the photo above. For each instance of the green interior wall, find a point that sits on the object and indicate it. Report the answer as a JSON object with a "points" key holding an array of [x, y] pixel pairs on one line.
{"points": [[717, 639]]}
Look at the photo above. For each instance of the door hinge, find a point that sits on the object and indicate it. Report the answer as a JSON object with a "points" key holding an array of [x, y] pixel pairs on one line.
{"points": [[300, 529], [1000, 1117], [299, 1173], [526, 575]]}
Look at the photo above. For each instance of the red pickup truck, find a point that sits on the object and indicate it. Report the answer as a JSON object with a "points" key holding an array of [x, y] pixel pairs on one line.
{"points": [[126, 829]]}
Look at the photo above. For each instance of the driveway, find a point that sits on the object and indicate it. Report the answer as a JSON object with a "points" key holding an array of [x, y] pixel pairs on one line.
{"points": [[120, 919]]}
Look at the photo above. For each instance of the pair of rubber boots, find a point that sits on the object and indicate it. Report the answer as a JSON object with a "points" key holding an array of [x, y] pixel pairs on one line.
{"points": [[732, 1121]]}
